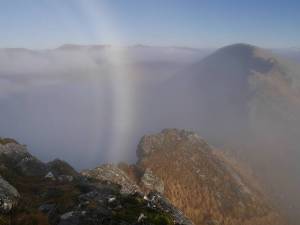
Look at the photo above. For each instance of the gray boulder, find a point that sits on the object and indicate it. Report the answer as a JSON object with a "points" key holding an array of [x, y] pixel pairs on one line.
{"points": [[16, 158], [112, 174], [152, 182], [158, 201], [8, 196]]}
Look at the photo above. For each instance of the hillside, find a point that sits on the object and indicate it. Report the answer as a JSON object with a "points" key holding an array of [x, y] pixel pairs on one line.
{"points": [[202, 184], [195, 178], [247, 98], [238, 84], [35, 193], [176, 171]]}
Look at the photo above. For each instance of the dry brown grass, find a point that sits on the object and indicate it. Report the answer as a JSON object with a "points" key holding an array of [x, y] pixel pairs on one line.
{"points": [[200, 185]]}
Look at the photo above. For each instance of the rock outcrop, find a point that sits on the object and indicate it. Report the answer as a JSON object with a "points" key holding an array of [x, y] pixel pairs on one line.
{"points": [[195, 177], [156, 200], [151, 182], [177, 176], [105, 195], [103, 204], [61, 170], [205, 187], [17, 159], [59, 167], [8, 196], [113, 174]]}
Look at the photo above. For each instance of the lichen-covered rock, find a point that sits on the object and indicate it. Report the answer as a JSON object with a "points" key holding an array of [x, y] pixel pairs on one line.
{"points": [[8, 196], [113, 174], [104, 204], [158, 201], [16, 158], [106, 195], [195, 180], [151, 182]]}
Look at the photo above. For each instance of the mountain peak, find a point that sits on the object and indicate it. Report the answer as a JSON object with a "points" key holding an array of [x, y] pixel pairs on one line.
{"points": [[245, 52], [241, 45]]}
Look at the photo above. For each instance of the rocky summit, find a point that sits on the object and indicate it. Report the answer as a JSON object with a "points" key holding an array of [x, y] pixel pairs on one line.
{"points": [[198, 179], [205, 186], [179, 179], [37, 193], [15, 158]]}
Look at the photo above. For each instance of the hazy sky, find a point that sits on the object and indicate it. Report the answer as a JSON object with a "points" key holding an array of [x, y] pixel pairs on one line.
{"points": [[195, 23]]}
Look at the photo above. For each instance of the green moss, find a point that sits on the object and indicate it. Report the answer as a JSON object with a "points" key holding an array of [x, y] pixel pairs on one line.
{"points": [[133, 207], [161, 219]]}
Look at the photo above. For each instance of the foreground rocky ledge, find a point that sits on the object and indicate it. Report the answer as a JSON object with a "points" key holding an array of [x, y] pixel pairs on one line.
{"points": [[177, 174], [55, 194]]}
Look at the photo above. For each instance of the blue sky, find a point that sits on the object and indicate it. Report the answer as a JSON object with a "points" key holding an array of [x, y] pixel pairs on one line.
{"points": [[194, 23]]}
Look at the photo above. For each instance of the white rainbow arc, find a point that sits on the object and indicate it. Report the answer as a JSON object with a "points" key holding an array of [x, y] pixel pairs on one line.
{"points": [[123, 113]]}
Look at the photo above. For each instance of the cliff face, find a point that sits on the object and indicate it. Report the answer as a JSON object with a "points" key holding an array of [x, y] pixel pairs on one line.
{"points": [[200, 183]]}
